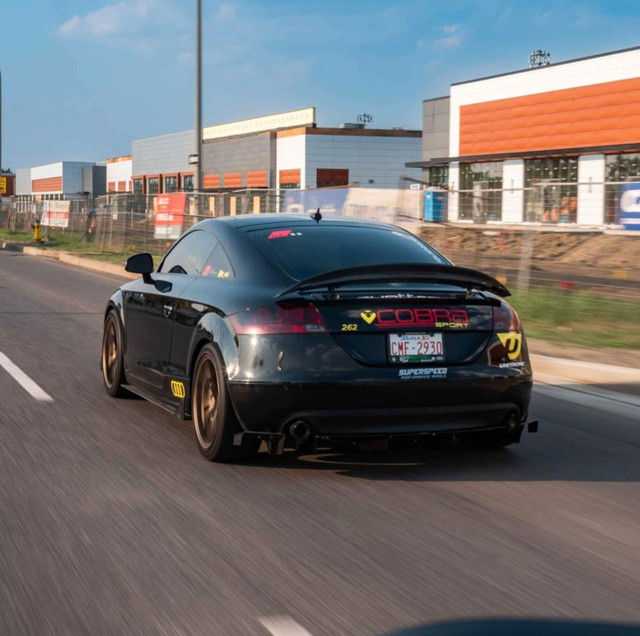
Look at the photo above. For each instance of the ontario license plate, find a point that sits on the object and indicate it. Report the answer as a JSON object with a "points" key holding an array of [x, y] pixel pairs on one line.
{"points": [[406, 348]]}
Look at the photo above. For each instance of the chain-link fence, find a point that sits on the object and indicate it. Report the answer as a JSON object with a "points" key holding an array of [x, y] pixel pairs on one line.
{"points": [[525, 256], [528, 259]]}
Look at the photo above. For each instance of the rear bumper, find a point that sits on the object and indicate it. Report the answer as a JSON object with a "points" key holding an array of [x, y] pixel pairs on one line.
{"points": [[382, 408], [402, 421]]}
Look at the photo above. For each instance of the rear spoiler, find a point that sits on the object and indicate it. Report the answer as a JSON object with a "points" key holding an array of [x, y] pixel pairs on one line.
{"points": [[403, 272]]}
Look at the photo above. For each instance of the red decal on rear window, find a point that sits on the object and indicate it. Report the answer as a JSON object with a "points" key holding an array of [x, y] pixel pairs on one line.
{"points": [[279, 234]]}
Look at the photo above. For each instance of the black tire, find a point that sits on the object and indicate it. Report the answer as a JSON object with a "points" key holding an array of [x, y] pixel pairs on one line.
{"points": [[485, 439], [112, 361], [214, 419]]}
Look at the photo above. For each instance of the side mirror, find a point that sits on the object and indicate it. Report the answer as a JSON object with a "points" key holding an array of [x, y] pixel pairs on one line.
{"points": [[143, 264], [140, 264]]}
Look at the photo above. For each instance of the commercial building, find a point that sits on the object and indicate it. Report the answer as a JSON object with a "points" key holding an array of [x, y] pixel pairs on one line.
{"points": [[63, 180], [285, 150], [551, 144], [118, 174]]}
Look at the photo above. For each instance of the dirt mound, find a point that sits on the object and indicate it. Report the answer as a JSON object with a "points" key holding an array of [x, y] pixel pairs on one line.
{"points": [[602, 251]]}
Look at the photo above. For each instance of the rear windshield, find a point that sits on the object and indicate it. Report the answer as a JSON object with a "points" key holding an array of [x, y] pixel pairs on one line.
{"points": [[304, 251]]}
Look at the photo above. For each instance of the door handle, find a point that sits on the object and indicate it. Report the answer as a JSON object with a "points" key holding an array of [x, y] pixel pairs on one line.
{"points": [[167, 309]]}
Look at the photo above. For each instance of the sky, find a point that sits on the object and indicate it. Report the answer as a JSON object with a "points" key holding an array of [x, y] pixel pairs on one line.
{"points": [[83, 78]]}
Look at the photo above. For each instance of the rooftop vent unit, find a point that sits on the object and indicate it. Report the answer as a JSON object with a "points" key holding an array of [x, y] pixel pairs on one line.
{"points": [[347, 124], [539, 58]]}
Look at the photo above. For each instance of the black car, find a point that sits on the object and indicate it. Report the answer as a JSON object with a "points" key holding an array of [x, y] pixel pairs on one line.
{"points": [[314, 332]]}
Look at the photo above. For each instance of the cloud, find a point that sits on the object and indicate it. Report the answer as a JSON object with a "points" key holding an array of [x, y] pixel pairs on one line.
{"points": [[452, 36], [541, 19], [225, 12], [112, 19]]}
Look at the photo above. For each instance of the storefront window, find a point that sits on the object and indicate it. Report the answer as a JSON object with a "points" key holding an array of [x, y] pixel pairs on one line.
{"points": [[153, 185], [619, 169], [438, 176], [551, 190], [137, 186], [171, 184], [481, 191], [187, 183]]}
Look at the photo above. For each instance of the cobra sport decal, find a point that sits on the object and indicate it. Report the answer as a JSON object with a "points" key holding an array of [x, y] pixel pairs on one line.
{"points": [[417, 317]]}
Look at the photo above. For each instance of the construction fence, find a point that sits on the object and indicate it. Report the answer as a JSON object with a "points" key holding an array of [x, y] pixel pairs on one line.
{"points": [[525, 256]]}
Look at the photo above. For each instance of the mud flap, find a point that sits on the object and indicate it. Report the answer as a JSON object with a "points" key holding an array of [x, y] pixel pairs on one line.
{"points": [[274, 441]]}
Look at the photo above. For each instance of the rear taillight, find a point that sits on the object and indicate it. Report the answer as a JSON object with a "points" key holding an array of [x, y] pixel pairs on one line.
{"points": [[505, 318], [292, 317]]}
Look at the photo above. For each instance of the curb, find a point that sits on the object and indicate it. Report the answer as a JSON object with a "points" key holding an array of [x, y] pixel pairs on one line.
{"points": [[70, 259], [583, 372]]}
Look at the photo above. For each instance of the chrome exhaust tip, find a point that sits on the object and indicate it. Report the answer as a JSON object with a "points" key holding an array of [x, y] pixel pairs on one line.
{"points": [[511, 421], [300, 431]]}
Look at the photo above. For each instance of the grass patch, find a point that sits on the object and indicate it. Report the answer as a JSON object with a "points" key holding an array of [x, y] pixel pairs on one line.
{"points": [[578, 318], [19, 237], [75, 243]]}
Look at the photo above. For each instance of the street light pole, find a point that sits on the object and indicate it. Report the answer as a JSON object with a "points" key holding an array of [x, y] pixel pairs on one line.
{"points": [[197, 181]]}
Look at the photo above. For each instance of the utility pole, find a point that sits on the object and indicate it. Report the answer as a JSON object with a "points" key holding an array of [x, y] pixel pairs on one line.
{"points": [[197, 181]]}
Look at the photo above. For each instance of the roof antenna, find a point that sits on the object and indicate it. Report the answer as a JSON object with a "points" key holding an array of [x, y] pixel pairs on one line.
{"points": [[317, 217]]}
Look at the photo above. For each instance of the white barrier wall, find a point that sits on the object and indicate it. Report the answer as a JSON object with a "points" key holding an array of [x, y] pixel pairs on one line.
{"points": [[49, 171], [591, 173], [513, 193], [291, 155], [454, 186], [119, 172]]}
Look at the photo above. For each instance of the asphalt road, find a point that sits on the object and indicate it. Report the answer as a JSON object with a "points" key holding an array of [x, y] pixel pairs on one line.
{"points": [[111, 522]]}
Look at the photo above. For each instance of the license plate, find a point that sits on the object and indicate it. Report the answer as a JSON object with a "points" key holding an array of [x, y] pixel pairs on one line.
{"points": [[406, 348]]}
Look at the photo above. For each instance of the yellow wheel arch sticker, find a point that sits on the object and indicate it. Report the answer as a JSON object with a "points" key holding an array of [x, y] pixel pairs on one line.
{"points": [[178, 390], [512, 342]]}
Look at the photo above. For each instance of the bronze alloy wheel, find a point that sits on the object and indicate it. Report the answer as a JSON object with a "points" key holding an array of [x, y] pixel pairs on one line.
{"points": [[112, 360], [213, 415], [110, 353], [205, 402]]}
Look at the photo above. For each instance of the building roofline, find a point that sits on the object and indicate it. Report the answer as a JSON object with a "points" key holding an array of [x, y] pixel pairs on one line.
{"points": [[538, 68], [529, 154], [433, 99], [240, 121], [118, 159], [349, 132]]}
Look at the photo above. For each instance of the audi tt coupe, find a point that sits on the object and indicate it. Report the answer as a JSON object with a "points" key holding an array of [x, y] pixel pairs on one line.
{"points": [[288, 331]]}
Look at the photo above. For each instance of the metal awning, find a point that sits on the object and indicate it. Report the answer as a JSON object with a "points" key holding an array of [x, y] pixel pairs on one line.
{"points": [[530, 154]]}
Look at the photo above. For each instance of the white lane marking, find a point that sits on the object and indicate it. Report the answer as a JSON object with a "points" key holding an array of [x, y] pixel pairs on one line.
{"points": [[283, 626], [24, 380]]}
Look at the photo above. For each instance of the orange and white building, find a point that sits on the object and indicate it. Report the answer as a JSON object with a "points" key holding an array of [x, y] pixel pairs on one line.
{"points": [[279, 151], [62, 180], [548, 144]]}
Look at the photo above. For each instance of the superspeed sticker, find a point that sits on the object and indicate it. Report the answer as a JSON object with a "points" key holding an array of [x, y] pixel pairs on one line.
{"points": [[423, 374]]}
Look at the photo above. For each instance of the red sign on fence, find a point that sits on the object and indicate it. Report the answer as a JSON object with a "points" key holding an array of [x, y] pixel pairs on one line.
{"points": [[170, 215], [55, 213]]}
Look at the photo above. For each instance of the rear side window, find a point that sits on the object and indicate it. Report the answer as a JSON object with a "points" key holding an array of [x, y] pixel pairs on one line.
{"points": [[218, 265], [304, 251]]}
